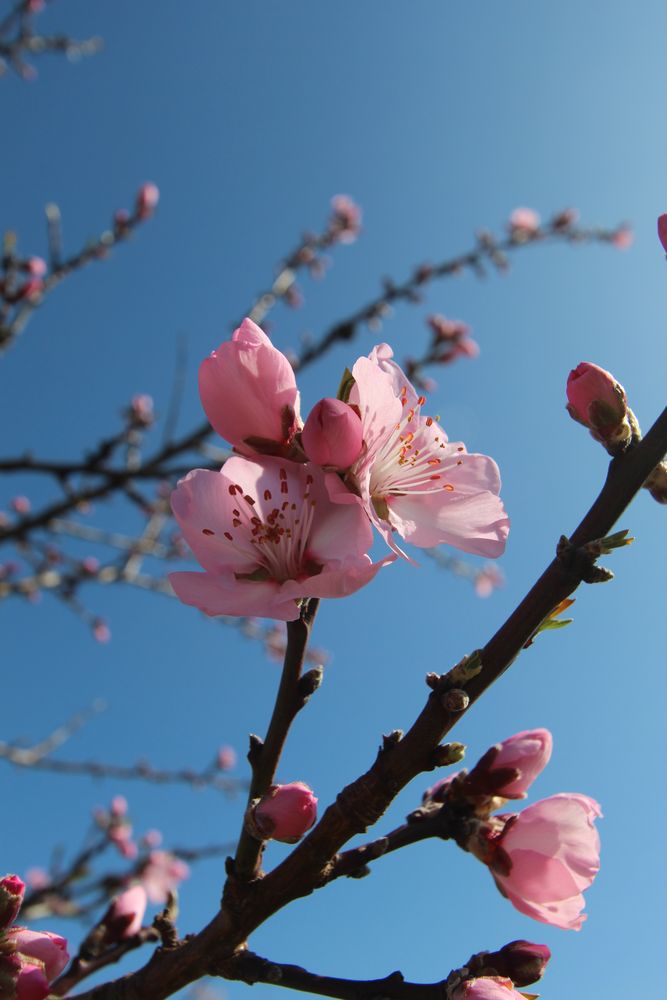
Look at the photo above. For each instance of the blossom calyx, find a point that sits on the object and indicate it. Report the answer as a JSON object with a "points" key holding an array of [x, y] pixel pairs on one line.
{"points": [[598, 401], [332, 435], [12, 889], [285, 813]]}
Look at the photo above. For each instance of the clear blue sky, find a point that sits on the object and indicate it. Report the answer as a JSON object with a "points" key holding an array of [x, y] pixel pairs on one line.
{"points": [[437, 119]]}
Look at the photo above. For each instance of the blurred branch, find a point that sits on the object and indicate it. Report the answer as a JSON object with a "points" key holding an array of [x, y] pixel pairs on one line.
{"points": [[18, 38]]}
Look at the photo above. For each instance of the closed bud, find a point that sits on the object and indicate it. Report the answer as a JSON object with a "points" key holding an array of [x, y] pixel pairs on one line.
{"points": [[11, 897], [124, 917], [148, 196], [522, 961], [509, 768], [286, 812], [332, 436], [662, 231], [41, 947], [598, 401]]}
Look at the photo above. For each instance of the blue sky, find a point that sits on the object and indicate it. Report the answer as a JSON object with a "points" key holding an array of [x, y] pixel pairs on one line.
{"points": [[438, 119]]}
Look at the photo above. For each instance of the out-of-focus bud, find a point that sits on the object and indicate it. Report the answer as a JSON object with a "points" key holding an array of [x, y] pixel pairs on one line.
{"points": [[598, 401], [662, 231], [118, 806], [35, 266], [345, 221], [121, 222], [332, 436], [656, 483], [509, 768], [20, 504], [90, 565], [487, 579], [140, 411], [286, 812], [11, 897], [565, 219], [521, 961], [524, 224], [101, 631], [623, 238], [226, 758], [41, 946], [148, 196], [124, 917]]}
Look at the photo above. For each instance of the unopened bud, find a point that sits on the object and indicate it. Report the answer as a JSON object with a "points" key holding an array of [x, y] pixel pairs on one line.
{"points": [[598, 401], [148, 196], [662, 231], [522, 961], [124, 917], [11, 897], [332, 436], [509, 768], [286, 812]]}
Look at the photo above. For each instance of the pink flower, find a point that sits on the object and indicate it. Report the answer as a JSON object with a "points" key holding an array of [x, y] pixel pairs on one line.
{"points": [[487, 579], [286, 812], [226, 758], [101, 631], [31, 984], [124, 917], [487, 988], [332, 434], [148, 196], [524, 221], [553, 851], [345, 219], [267, 535], [509, 768], [662, 231], [596, 399], [37, 878], [410, 479], [248, 391], [623, 238], [140, 410], [12, 889], [161, 874], [35, 266], [48, 949], [20, 504]]}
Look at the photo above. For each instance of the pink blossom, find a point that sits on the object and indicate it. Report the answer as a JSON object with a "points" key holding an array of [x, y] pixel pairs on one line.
{"points": [[152, 838], [623, 238], [286, 812], [332, 434], [345, 218], [20, 504], [12, 889], [226, 758], [662, 231], [524, 221], [48, 949], [161, 875], [31, 984], [35, 266], [509, 768], [38, 878], [487, 579], [119, 806], [410, 479], [487, 988], [148, 196], [267, 535], [90, 565], [101, 631], [553, 850], [141, 410], [596, 399], [248, 391], [124, 917]]}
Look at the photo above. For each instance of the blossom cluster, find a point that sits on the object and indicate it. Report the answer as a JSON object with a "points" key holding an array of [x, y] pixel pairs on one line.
{"points": [[289, 516], [29, 960], [543, 858]]}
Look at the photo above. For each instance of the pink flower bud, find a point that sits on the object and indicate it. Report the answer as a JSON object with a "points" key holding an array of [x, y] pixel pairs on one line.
{"points": [[596, 399], [248, 391], [623, 238], [509, 768], [524, 222], [31, 983], [487, 988], [148, 196], [124, 917], [12, 889], [90, 565], [332, 436], [226, 758], [662, 231], [35, 266], [547, 856], [286, 812], [101, 631], [20, 504], [140, 410], [161, 874], [345, 221], [48, 949], [487, 579]]}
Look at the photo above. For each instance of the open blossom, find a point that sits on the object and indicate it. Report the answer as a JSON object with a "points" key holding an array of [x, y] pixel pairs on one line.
{"points": [[267, 535], [410, 479], [248, 391], [553, 850]]}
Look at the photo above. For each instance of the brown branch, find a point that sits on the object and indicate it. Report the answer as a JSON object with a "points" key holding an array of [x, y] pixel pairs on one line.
{"points": [[264, 756], [246, 906]]}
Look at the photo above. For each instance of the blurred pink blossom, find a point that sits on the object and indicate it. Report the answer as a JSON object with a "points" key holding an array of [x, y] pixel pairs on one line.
{"points": [[161, 874], [487, 988], [124, 917], [148, 196], [623, 238], [101, 631], [48, 949], [12, 889], [487, 579], [345, 218], [524, 221], [20, 504], [226, 758]]}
